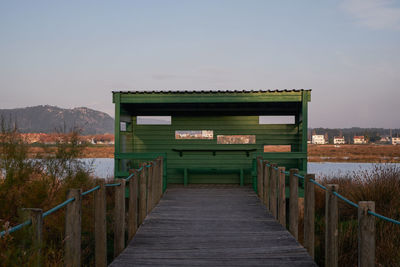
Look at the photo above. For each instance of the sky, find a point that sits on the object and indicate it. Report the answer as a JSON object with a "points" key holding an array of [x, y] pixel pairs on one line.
{"points": [[74, 53]]}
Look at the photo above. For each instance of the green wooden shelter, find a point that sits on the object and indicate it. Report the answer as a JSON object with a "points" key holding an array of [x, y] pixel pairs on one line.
{"points": [[210, 136]]}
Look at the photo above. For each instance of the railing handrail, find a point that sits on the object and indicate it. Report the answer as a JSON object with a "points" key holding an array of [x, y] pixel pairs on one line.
{"points": [[66, 202], [271, 173], [341, 197]]}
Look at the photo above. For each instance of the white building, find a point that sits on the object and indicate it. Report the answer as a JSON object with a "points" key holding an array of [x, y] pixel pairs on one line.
{"points": [[318, 139], [359, 140], [338, 140], [395, 140]]}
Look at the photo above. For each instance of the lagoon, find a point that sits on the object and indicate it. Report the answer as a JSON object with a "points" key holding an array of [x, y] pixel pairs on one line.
{"points": [[104, 167]]}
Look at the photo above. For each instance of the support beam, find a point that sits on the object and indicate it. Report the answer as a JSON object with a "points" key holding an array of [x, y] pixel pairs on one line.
{"points": [[119, 218], [294, 203], [281, 197], [366, 234], [73, 219], [331, 226], [309, 214], [100, 226]]}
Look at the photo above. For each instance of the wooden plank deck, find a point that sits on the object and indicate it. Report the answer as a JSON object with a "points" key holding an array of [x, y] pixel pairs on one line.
{"points": [[212, 226]]}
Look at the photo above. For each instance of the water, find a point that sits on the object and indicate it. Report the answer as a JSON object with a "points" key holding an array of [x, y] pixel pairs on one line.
{"points": [[104, 167], [339, 168]]}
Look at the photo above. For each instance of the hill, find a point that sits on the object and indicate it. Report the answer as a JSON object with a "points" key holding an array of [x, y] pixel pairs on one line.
{"points": [[49, 119]]}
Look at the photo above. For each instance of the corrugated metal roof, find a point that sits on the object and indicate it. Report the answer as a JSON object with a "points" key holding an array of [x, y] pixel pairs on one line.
{"points": [[206, 91]]}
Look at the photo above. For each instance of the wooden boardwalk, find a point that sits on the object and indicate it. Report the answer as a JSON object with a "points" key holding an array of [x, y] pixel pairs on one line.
{"points": [[212, 226]]}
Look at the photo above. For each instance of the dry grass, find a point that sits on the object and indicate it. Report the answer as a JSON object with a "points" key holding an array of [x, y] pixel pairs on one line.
{"points": [[354, 153]]}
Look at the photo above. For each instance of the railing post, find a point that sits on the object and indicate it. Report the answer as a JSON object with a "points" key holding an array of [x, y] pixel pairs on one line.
{"points": [[149, 188], [161, 181], [260, 185], [281, 197], [132, 206], [73, 218], [309, 213], [273, 196], [37, 237], [155, 184], [294, 203], [331, 226], [119, 218], [266, 184], [158, 181], [142, 194], [100, 227], [366, 234]]}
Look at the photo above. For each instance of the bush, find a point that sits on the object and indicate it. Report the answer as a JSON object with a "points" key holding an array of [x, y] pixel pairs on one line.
{"points": [[42, 183]]}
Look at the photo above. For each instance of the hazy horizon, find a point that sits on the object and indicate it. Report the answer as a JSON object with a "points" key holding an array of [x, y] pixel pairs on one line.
{"points": [[73, 54]]}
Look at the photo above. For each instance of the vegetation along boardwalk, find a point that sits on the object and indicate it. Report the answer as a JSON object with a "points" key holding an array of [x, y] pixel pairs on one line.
{"points": [[212, 226]]}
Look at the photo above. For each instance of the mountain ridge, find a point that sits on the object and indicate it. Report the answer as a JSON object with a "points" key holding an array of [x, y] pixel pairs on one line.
{"points": [[50, 119]]}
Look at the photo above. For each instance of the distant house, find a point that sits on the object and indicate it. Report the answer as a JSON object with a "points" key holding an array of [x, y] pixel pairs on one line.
{"points": [[395, 140], [337, 140], [318, 139], [359, 140], [385, 139]]}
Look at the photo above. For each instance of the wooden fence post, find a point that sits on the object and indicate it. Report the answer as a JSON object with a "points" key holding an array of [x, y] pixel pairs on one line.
{"points": [[309, 213], [142, 194], [36, 216], [260, 185], [273, 198], [149, 188], [132, 206], [282, 197], [294, 203], [266, 184], [73, 219], [161, 181], [100, 226], [366, 234], [331, 226], [155, 184], [119, 218]]}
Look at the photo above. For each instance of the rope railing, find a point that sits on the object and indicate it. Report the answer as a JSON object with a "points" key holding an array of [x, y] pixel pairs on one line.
{"points": [[270, 180], [63, 204]]}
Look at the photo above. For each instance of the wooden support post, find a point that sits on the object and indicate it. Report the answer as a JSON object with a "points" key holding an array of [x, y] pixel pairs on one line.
{"points": [[155, 183], [119, 218], [273, 197], [309, 214], [142, 194], [331, 226], [366, 234], [241, 178], [161, 181], [260, 185], [100, 226], [73, 219], [132, 206], [281, 197], [36, 216], [149, 188], [266, 179], [294, 203]]}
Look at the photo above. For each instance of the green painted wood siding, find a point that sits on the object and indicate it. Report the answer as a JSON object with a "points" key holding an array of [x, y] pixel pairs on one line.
{"points": [[161, 138]]}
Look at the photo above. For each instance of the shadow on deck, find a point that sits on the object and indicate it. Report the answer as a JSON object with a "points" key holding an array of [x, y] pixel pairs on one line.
{"points": [[212, 226]]}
